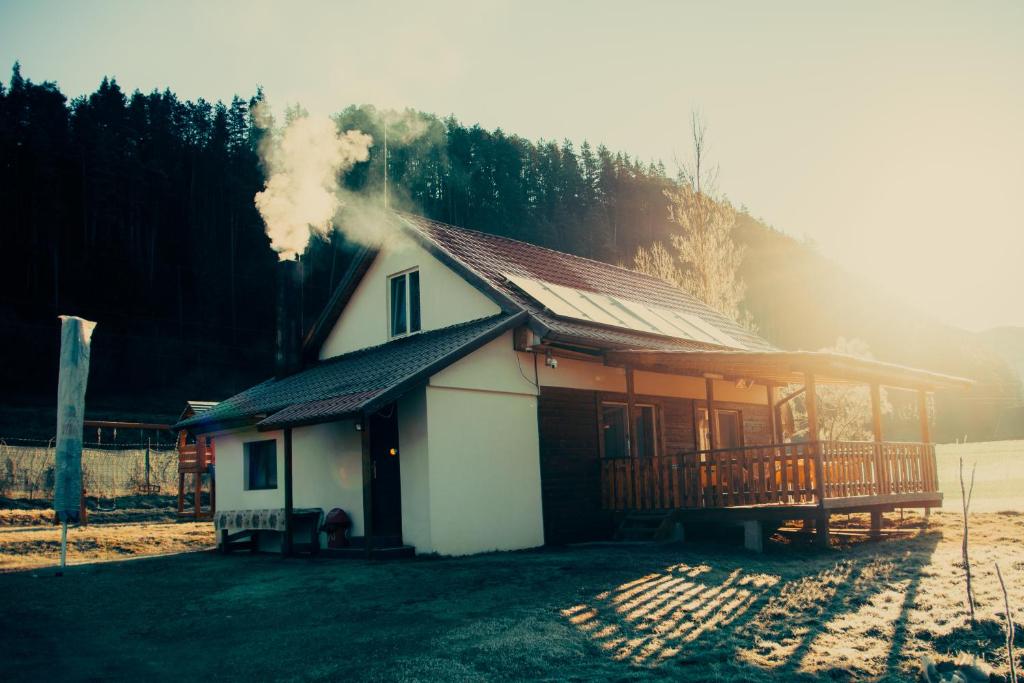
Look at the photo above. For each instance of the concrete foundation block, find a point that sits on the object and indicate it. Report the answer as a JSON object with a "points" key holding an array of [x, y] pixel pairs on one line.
{"points": [[753, 536]]}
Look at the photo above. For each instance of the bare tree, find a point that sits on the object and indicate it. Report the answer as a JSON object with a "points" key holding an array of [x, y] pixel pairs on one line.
{"points": [[706, 260], [966, 494], [844, 412], [1010, 628]]}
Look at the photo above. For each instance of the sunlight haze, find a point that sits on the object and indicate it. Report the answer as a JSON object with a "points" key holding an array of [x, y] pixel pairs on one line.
{"points": [[889, 135]]}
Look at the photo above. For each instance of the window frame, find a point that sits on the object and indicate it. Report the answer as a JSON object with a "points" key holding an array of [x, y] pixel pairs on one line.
{"points": [[630, 424], [408, 312], [247, 456], [716, 411]]}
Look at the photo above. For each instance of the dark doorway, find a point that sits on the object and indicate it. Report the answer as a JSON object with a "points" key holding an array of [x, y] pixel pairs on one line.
{"points": [[386, 485]]}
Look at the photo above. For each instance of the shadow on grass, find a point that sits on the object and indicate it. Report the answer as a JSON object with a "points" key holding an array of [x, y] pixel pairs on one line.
{"points": [[761, 613]]}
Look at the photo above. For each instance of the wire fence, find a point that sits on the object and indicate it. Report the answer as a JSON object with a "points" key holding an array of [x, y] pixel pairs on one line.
{"points": [[108, 471]]}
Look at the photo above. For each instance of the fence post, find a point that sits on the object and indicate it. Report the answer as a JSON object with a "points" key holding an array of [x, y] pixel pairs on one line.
{"points": [[148, 444]]}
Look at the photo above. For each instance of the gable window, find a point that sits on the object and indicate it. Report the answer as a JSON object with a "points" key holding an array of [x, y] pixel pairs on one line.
{"points": [[617, 430], [404, 303], [261, 465]]}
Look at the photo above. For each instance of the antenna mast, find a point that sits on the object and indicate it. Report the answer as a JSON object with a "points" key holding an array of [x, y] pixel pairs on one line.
{"points": [[385, 163]]}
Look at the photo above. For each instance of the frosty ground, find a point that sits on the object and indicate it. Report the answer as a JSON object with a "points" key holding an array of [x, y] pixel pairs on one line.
{"points": [[699, 611], [692, 612]]}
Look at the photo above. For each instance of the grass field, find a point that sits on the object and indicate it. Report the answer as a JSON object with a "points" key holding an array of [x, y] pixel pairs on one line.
{"points": [[999, 480], [857, 611], [692, 612]]}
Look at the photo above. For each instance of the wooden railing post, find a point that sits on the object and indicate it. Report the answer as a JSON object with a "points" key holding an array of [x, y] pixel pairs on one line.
{"points": [[876, 422], [811, 400], [928, 468]]}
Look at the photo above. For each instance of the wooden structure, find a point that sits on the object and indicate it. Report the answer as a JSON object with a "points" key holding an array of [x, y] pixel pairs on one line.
{"points": [[196, 458], [802, 480]]}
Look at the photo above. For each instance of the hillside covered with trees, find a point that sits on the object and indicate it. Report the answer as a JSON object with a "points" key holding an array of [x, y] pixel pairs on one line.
{"points": [[136, 210]]}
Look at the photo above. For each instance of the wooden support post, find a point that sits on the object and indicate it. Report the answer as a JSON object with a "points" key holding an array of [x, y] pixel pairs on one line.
{"points": [[197, 478], [286, 545], [811, 399], [876, 524], [881, 477], [922, 407], [928, 474], [367, 488], [709, 395], [773, 414], [181, 491], [631, 413], [821, 530], [876, 411]]}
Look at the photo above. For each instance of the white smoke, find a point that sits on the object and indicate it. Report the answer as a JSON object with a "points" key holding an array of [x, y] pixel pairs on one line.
{"points": [[305, 162]]}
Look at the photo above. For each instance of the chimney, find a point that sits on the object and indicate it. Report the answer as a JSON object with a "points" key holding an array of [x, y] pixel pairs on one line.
{"points": [[287, 347]]}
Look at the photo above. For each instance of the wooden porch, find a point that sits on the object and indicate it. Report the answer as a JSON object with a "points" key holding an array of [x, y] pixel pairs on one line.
{"points": [[807, 479], [830, 475]]}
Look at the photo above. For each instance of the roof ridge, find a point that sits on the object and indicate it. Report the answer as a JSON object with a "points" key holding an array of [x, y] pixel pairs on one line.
{"points": [[597, 262]]}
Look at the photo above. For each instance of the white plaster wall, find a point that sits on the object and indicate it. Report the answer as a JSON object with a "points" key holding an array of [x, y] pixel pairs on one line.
{"points": [[231, 493], [445, 299], [326, 473], [578, 374], [493, 367], [327, 470], [484, 471], [414, 470]]}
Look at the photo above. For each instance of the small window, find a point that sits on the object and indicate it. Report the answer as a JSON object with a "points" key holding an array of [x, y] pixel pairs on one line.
{"points": [[261, 465], [404, 303], [730, 428], [617, 430]]}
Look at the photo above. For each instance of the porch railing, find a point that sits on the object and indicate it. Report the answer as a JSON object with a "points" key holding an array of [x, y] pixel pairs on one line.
{"points": [[761, 475]]}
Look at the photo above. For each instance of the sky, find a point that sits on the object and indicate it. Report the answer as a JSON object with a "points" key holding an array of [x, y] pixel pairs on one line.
{"points": [[890, 134]]}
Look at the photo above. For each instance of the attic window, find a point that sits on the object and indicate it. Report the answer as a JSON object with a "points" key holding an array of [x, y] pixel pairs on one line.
{"points": [[404, 303]]}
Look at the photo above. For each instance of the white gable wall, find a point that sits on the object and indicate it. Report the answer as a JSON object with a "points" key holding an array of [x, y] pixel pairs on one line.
{"points": [[445, 299], [470, 457]]}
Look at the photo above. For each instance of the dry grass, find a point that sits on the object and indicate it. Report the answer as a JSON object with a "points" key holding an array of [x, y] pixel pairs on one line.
{"points": [[29, 547], [1000, 476], [865, 611], [859, 611]]}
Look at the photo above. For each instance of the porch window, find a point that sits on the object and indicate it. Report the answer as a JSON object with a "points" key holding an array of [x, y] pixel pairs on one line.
{"points": [[404, 303], [617, 430], [729, 426], [261, 465]]}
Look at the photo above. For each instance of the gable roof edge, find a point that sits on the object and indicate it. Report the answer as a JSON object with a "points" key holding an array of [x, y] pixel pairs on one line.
{"points": [[361, 262], [461, 268]]}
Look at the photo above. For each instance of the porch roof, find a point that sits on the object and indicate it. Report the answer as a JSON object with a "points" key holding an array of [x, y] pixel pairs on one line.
{"points": [[353, 383], [785, 367]]}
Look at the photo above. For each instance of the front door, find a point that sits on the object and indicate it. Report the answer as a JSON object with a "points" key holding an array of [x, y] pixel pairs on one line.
{"points": [[386, 484]]}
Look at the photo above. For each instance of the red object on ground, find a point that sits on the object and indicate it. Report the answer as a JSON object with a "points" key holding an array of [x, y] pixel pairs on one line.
{"points": [[337, 526]]}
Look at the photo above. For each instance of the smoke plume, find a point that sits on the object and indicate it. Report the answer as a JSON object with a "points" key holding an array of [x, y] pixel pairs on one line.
{"points": [[305, 162]]}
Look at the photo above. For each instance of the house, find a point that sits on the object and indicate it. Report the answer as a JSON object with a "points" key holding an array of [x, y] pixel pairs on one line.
{"points": [[463, 393]]}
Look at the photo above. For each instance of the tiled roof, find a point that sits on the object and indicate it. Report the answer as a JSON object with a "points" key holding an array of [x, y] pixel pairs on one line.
{"points": [[347, 384], [492, 258], [200, 406]]}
